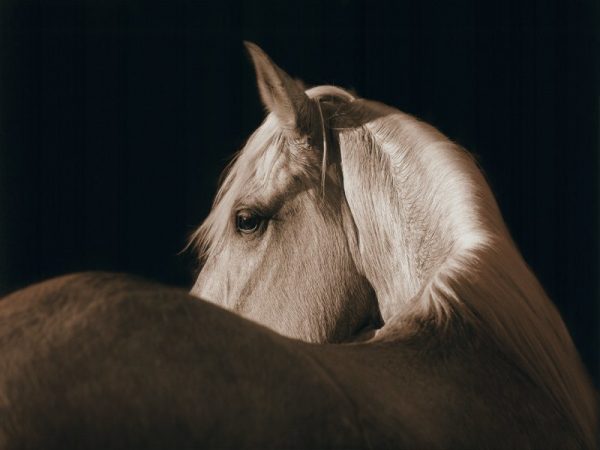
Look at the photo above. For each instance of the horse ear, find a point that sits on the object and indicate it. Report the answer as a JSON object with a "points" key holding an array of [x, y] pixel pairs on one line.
{"points": [[281, 95]]}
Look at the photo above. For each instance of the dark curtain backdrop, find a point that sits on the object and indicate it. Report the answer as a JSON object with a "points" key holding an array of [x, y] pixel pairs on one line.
{"points": [[116, 118]]}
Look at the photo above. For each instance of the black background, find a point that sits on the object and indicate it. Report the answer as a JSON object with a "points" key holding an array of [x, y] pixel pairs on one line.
{"points": [[116, 118]]}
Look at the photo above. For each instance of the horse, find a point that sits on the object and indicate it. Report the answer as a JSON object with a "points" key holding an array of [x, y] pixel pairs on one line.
{"points": [[344, 218], [359, 289]]}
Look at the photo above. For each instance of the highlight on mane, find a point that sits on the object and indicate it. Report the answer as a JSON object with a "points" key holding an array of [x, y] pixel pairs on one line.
{"points": [[400, 170]]}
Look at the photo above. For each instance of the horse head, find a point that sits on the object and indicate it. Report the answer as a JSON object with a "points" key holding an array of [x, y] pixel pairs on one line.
{"points": [[280, 244]]}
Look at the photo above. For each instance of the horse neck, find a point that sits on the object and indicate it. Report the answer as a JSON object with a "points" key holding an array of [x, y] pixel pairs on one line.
{"points": [[417, 200], [433, 244]]}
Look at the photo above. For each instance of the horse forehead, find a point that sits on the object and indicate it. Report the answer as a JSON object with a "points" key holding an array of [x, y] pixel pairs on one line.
{"points": [[283, 168], [273, 165]]}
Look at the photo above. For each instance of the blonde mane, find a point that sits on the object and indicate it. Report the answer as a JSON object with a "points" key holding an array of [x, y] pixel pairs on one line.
{"points": [[411, 188]]}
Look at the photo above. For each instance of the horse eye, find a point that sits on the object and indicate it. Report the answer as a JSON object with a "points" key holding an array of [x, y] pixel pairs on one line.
{"points": [[247, 221]]}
